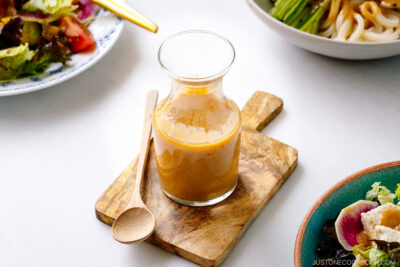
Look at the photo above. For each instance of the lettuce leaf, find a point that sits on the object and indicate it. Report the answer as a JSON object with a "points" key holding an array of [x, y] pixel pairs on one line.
{"points": [[361, 249], [375, 256], [13, 59], [47, 6], [381, 193], [20, 61], [397, 193], [378, 258], [46, 11], [49, 51]]}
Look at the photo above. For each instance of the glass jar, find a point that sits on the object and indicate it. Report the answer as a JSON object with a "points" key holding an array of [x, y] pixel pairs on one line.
{"points": [[196, 128]]}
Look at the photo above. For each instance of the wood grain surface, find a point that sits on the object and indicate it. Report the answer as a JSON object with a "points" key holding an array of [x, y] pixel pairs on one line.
{"points": [[206, 235]]}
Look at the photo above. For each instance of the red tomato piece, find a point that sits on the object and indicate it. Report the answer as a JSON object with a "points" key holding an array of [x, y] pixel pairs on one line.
{"points": [[78, 36]]}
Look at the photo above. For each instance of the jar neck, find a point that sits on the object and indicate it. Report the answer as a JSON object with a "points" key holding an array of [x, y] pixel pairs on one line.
{"points": [[197, 87]]}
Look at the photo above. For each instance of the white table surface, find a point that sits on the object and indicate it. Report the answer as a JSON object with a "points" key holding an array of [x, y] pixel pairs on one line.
{"points": [[61, 147]]}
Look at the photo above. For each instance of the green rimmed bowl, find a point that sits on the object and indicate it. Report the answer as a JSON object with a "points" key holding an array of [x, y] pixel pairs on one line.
{"points": [[328, 206]]}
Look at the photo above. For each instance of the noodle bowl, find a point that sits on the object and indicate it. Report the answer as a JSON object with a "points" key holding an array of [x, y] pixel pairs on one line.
{"points": [[361, 49]]}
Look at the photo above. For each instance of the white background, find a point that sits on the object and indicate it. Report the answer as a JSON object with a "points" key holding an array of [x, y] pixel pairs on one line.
{"points": [[61, 147]]}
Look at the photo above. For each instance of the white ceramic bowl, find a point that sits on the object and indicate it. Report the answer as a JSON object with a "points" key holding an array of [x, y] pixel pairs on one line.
{"points": [[322, 45]]}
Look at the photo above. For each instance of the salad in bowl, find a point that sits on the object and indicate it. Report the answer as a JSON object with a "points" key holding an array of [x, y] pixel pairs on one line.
{"points": [[37, 33], [365, 233]]}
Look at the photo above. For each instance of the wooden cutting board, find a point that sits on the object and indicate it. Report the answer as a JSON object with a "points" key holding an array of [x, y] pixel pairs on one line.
{"points": [[206, 235]]}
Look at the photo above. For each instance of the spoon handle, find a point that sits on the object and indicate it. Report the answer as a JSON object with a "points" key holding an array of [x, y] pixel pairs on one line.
{"points": [[151, 101]]}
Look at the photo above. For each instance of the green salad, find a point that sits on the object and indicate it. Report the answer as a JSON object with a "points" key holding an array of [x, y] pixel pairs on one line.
{"points": [[37, 33], [365, 233]]}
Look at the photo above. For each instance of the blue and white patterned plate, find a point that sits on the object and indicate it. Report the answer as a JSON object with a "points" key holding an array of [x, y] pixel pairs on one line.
{"points": [[106, 28]]}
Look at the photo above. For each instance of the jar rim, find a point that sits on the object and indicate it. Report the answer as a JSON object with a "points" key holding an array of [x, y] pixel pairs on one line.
{"points": [[205, 78]]}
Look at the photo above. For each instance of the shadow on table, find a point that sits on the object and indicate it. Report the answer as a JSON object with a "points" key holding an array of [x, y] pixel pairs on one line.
{"points": [[79, 93]]}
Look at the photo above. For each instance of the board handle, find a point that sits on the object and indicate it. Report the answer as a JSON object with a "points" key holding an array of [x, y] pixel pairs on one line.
{"points": [[260, 110]]}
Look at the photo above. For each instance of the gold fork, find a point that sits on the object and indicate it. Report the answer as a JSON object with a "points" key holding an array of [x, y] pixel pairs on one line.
{"points": [[125, 11]]}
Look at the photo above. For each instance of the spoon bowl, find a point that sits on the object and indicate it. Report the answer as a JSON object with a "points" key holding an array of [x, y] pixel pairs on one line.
{"points": [[133, 225]]}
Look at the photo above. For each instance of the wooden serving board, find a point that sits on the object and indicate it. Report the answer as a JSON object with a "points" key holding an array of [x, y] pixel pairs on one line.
{"points": [[206, 235]]}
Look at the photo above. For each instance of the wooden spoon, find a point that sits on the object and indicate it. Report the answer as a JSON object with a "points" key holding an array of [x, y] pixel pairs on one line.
{"points": [[136, 222]]}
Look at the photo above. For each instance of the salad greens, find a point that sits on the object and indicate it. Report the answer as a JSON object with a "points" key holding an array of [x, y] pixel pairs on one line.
{"points": [[51, 9], [30, 31], [374, 253], [375, 256], [13, 59], [381, 193], [47, 53], [36, 33], [48, 6], [301, 14]]}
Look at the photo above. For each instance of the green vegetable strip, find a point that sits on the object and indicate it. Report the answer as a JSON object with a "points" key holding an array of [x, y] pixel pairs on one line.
{"points": [[325, 4], [307, 19], [315, 16], [304, 13], [279, 3], [308, 29], [277, 6], [302, 16], [285, 8], [295, 12], [314, 27]]}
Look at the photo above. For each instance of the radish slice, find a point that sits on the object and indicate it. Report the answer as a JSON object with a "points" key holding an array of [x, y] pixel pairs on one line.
{"points": [[348, 225]]}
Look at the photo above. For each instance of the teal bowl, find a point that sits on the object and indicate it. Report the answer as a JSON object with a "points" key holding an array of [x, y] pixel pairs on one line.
{"points": [[328, 206]]}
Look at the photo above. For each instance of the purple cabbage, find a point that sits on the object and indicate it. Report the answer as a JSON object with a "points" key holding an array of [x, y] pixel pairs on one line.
{"points": [[87, 9]]}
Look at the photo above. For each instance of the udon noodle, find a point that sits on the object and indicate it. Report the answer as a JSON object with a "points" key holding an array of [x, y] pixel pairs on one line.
{"points": [[362, 21]]}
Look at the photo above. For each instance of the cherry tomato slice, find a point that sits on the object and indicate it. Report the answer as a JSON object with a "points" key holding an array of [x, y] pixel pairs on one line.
{"points": [[78, 36]]}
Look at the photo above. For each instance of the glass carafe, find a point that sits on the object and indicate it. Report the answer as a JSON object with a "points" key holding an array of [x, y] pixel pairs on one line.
{"points": [[196, 128]]}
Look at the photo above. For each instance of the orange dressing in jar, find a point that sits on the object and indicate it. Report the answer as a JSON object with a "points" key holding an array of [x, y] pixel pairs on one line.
{"points": [[197, 137], [196, 129]]}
